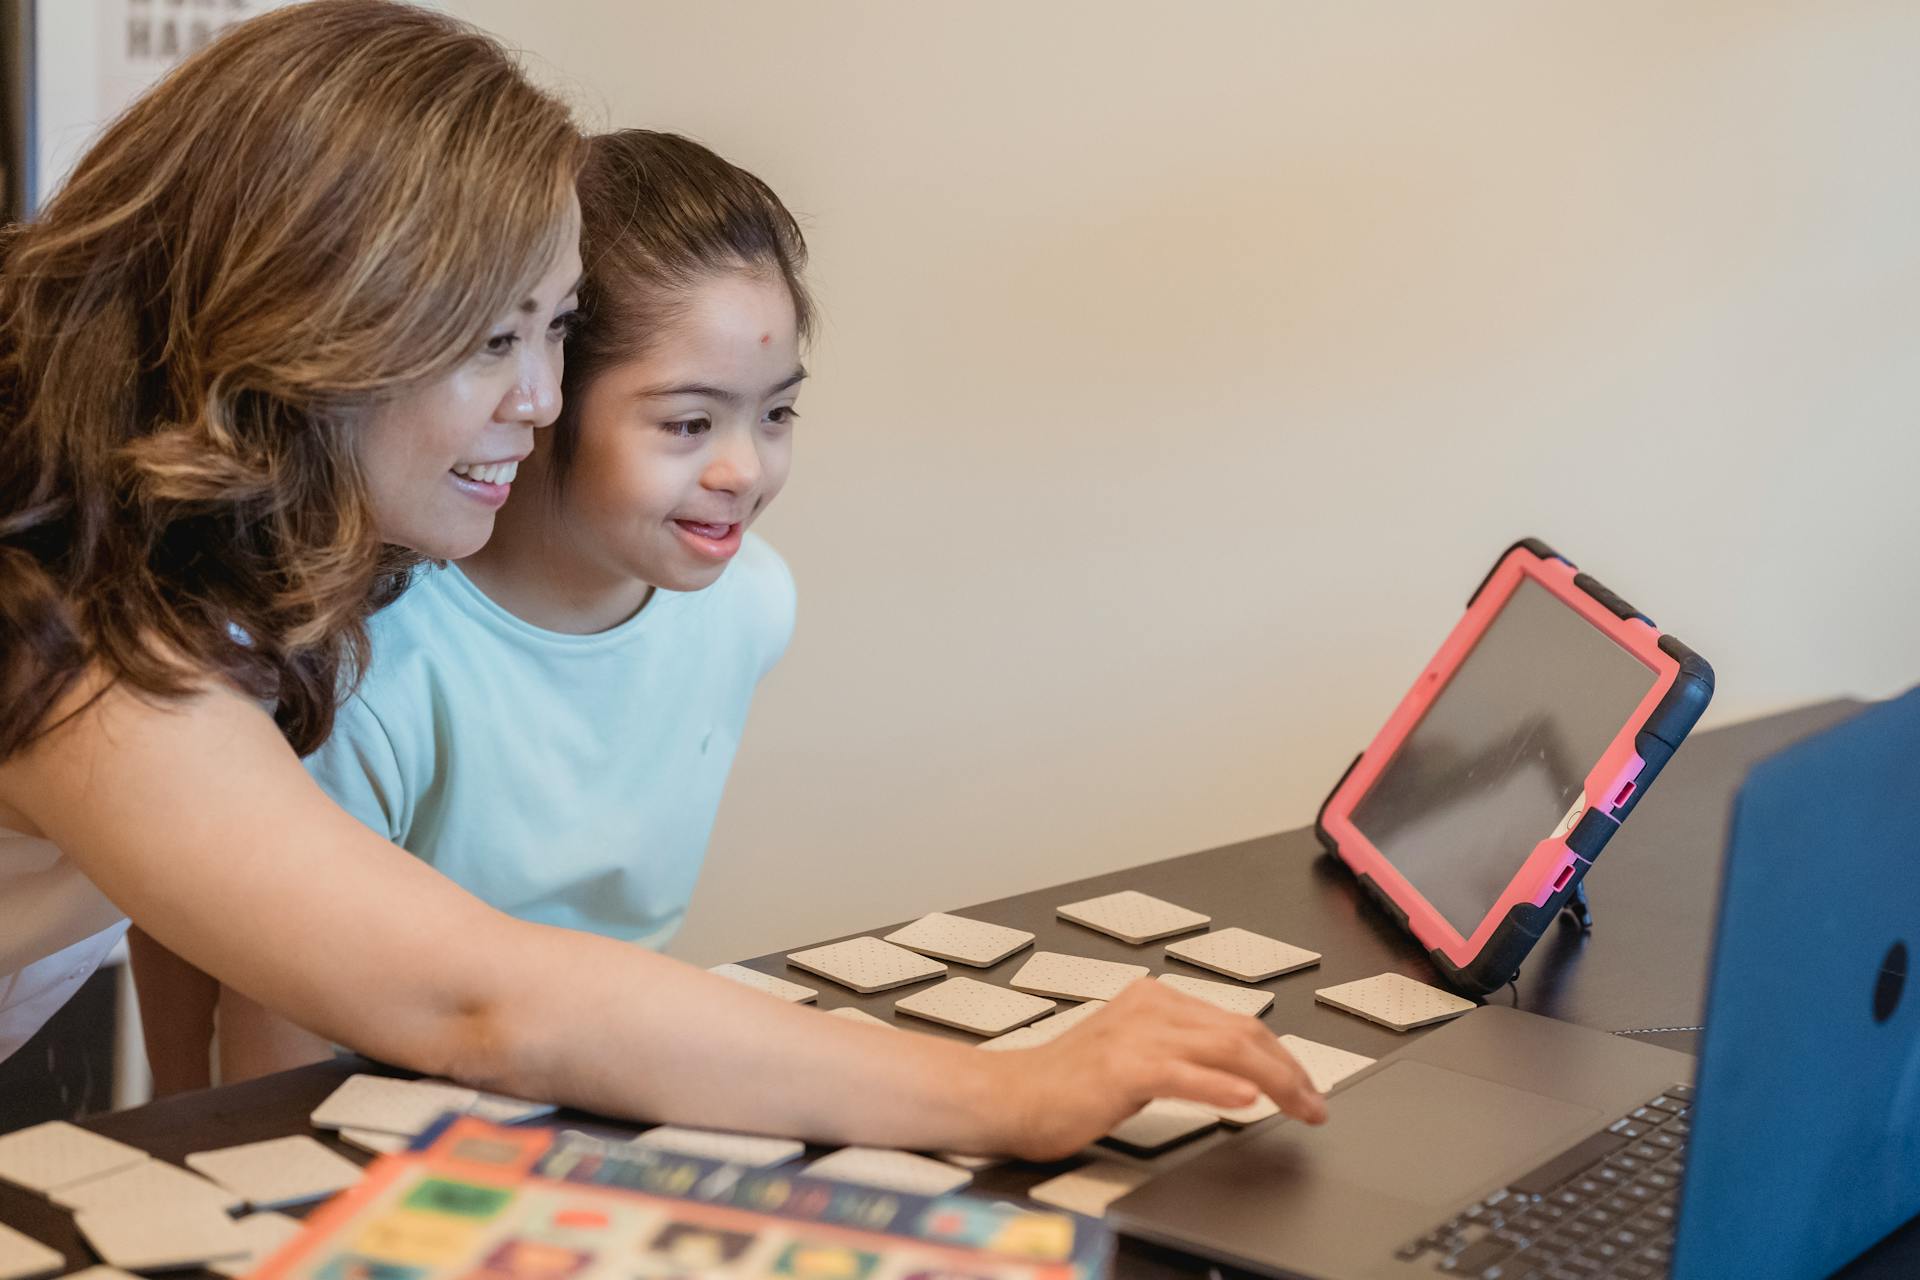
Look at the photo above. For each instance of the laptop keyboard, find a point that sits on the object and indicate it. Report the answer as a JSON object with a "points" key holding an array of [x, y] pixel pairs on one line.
{"points": [[1604, 1207]]}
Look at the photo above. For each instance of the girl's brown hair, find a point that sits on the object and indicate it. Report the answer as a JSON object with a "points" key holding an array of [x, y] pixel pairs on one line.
{"points": [[327, 205], [659, 214]]}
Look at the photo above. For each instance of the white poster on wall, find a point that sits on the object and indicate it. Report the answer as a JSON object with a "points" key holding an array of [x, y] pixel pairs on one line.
{"points": [[94, 57]]}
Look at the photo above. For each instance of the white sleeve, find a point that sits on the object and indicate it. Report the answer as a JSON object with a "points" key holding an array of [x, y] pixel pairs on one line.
{"points": [[358, 768]]}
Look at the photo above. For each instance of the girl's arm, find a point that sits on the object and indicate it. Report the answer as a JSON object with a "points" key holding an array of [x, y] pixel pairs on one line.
{"points": [[198, 821]]}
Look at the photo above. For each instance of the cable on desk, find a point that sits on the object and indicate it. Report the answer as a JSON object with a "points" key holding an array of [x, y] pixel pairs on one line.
{"points": [[1655, 1031]]}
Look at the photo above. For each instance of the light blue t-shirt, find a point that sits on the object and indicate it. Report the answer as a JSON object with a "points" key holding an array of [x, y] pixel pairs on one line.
{"points": [[569, 780]]}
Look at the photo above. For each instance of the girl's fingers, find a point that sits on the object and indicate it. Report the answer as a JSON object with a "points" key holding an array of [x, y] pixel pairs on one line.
{"points": [[1207, 1086], [1192, 1049], [1295, 1094], [1245, 1048]]}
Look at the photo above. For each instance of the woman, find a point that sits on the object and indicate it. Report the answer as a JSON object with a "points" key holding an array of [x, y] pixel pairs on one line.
{"points": [[282, 312]]}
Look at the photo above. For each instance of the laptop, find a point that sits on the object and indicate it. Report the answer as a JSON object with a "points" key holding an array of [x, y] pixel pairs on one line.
{"points": [[1506, 1145]]}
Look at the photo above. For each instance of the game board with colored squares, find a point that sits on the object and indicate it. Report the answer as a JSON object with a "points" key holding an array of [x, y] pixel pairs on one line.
{"points": [[480, 1202]]}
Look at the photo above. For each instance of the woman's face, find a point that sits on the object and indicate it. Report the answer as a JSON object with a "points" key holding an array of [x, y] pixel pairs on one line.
{"points": [[439, 459]]}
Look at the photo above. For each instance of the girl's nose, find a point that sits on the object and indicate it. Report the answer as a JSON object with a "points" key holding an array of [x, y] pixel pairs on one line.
{"points": [[736, 465]]}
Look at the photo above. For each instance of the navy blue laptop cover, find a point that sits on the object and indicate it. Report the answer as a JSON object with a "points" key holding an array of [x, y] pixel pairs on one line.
{"points": [[1806, 1139]]}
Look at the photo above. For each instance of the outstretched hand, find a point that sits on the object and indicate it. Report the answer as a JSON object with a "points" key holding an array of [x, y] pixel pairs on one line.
{"points": [[1150, 1042]]}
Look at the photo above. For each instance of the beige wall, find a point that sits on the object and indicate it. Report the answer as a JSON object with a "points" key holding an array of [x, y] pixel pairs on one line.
{"points": [[1186, 364]]}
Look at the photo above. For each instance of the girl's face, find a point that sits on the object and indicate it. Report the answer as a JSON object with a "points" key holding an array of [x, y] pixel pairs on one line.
{"points": [[680, 449], [439, 458]]}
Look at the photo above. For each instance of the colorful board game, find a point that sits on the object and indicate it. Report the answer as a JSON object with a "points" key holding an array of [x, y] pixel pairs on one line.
{"points": [[476, 1201]]}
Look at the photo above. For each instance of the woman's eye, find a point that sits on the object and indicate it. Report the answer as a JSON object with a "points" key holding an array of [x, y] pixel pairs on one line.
{"points": [[786, 415], [687, 427], [563, 325], [501, 343]]}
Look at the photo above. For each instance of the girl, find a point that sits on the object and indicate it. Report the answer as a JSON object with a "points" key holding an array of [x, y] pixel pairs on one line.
{"points": [[297, 308]]}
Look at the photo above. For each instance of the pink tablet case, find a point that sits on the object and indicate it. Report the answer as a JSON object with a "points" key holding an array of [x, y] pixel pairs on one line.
{"points": [[1549, 875]]}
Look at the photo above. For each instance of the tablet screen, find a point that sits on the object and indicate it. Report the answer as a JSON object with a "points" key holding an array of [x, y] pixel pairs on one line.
{"points": [[1502, 753]]}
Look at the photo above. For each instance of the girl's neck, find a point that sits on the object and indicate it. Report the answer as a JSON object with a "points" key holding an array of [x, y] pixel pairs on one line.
{"points": [[535, 569]]}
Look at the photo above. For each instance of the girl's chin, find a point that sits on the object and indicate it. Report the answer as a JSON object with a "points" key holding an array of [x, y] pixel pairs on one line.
{"points": [[681, 578]]}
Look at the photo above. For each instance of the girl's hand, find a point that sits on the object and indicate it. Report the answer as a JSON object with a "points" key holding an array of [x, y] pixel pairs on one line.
{"points": [[1150, 1042]]}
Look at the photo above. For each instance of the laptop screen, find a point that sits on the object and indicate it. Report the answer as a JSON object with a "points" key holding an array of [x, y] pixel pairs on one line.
{"points": [[1501, 755]]}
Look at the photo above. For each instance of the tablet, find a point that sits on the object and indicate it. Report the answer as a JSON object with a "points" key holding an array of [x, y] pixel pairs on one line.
{"points": [[1476, 812]]}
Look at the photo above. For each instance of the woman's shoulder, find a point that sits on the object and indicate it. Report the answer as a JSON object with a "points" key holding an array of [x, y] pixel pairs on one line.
{"points": [[102, 727]]}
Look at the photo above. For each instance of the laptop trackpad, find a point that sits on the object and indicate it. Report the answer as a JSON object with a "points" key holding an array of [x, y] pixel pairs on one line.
{"points": [[1431, 1136]]}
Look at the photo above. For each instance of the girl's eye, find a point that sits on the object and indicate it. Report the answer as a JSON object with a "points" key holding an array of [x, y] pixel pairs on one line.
{"points": [[563, 325], [501, 343], [687, 427], [786, 415]]}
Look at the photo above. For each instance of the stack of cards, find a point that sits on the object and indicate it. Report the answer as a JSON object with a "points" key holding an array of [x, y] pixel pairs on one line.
{"points": [[591, 1143], [1233, 999], [1325, 1065], [867, 964], [382, 1114], [975, 1006], [1047, 1029], [374, 1142], [46, 1157], [1091, 1188], [24, 1258], [972, 1164], [1259, 1109], [1394, 1000], [497, 1108], [149, 1182], [778, 988], [137, 1213], [734, 1148], [388, 1105], [265, 1233], [893, 1170], [1049, 973], [963, 941], [1134, 917], [1161, 1124], [1018, 1038], [162, 1237], [1242, 954], [278, 1172]]}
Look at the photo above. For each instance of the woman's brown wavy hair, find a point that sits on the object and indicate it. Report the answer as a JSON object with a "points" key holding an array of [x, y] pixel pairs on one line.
{"points": [[328, 205]]}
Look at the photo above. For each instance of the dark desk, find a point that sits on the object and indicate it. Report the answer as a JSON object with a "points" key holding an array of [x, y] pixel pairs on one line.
{"points": [[1642, 971]]}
